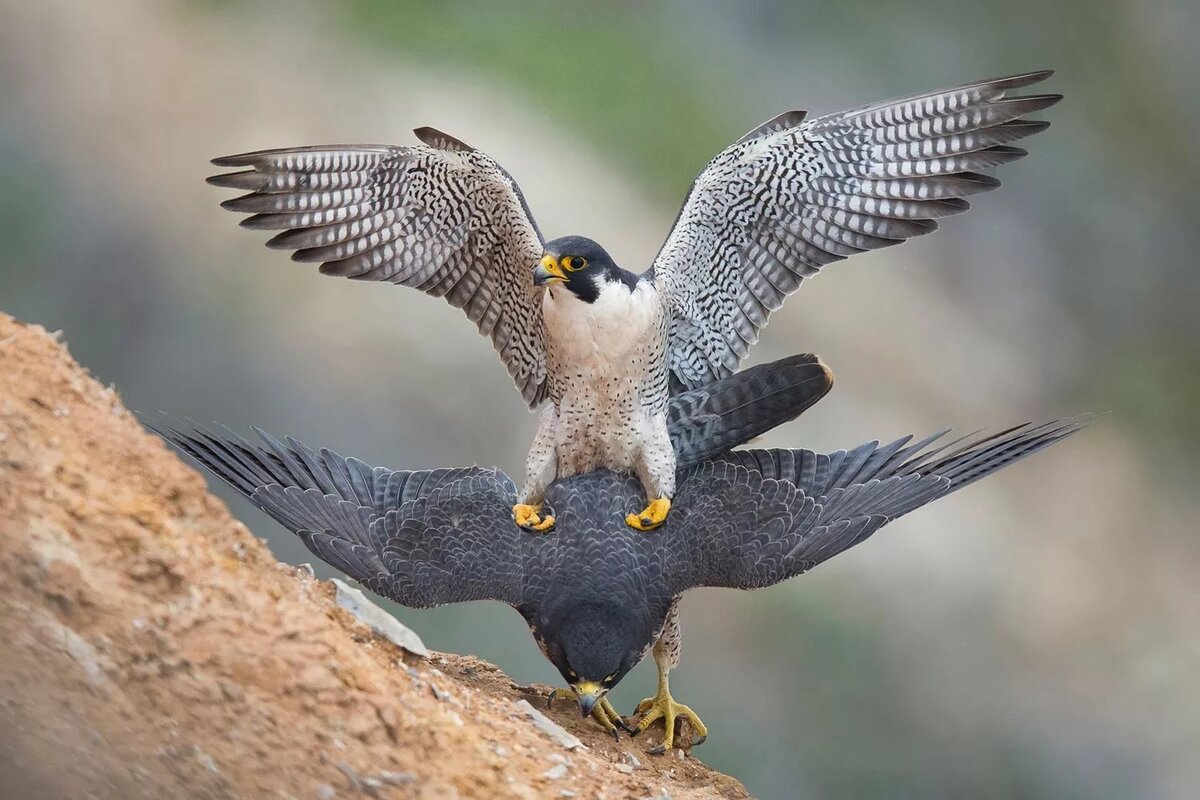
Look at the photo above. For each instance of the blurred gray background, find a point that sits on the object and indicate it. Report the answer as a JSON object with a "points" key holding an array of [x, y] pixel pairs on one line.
{"points": [[1034, 636]]}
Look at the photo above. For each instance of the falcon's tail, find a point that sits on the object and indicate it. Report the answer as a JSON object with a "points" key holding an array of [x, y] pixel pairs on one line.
{"points": [[708, 421]]}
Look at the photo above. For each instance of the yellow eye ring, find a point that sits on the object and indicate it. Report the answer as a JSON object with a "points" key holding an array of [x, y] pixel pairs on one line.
{"points": [[573, 263]]}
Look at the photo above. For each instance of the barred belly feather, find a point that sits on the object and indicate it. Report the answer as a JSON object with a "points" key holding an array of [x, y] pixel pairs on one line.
{"points": [[607, 360]]}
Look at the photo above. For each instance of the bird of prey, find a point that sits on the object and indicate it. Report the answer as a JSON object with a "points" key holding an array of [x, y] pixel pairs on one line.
{"points": [[597, 596], [605, 346]]}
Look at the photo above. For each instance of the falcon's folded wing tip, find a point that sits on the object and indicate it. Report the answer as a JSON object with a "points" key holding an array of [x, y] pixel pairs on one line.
{"points": [[1024, 78], [237, 159], [440, 140]]}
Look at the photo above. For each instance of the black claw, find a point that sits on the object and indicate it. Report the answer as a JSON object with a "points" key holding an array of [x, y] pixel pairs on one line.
{"points": [[633, 733], [700, 741], [657, 751], [615, 734], [550, 698], [623, 725]]}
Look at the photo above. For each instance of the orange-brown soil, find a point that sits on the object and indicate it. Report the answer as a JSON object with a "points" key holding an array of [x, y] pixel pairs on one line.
{"points": [[151, 647]]}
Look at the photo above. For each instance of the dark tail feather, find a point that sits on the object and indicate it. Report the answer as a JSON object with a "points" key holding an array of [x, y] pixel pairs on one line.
{"points": [[708, 421]]}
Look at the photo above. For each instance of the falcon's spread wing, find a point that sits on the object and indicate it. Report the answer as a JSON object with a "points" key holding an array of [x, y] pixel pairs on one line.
{"points": [[440, 217], [422, 538], [794, 195], [752, 518]]}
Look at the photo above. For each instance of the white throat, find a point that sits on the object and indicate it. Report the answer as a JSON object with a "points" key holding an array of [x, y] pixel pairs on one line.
{"points": [[609, 328]]}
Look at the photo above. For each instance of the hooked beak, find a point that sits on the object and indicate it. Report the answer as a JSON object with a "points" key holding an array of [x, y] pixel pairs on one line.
{"points": [[548, 271], [588, 694]]}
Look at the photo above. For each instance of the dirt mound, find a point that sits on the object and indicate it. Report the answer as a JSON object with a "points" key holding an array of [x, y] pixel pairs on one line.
{"points": [[154, 648]]}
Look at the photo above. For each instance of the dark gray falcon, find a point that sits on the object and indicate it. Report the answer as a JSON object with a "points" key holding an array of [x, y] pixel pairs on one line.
{"points": [[598, 596], [607, 347]]}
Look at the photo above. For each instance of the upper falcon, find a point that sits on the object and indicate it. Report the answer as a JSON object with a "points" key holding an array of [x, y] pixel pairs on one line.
{"points": [[605, 346]]}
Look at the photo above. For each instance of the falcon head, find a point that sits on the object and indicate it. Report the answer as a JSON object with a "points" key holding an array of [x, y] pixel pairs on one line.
{"points": [[593, 646], [580, 266]]}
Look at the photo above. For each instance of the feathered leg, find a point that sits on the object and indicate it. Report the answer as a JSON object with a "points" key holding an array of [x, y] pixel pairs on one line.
{"points": [[656, 469], [541, 466], [662, 705]]}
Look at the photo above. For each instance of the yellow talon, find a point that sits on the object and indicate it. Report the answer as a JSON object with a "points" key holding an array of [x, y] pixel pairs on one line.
{"points": [[607, 716], [651, 516], [663, 706], [530, 518], [603, 712]]}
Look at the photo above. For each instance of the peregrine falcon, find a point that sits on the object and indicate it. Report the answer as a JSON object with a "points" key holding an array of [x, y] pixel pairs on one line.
{"points": [[597, 596], [606, 347]]}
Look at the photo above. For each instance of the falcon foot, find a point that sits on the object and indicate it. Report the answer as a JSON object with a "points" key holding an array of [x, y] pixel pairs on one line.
{"points": [[603, 713], [663, 706], [651, 516], [530, 518]]}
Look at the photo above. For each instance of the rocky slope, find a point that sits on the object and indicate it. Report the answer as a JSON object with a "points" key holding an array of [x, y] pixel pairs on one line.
{"points": [[154, 648]]}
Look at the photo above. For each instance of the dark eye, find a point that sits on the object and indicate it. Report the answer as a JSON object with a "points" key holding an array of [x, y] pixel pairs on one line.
{"points": [[574, 263]]}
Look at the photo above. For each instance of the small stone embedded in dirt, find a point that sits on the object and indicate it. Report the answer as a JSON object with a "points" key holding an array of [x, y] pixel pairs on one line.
{"points": [[397, 778], [630, 759], [548, 726], [624, 768], [378, 620], [351, 775], [325, 792], [206, 760], [557, 772]]}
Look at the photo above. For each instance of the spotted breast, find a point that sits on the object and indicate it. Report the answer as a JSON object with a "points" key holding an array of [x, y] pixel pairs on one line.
{"points": [[609, 385]]}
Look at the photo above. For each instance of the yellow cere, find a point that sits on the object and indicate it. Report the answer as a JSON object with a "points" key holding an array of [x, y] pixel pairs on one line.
{"points": [[554, 267]]}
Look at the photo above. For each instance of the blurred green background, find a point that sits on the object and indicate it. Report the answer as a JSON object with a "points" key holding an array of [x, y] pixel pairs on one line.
{"points": [[1036, 636]]}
